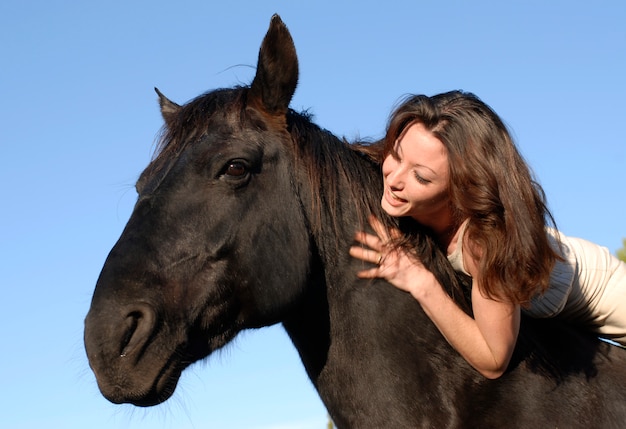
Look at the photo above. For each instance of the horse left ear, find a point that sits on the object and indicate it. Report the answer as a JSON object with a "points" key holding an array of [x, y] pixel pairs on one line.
{"points": [[169, 109], [277, 70]]}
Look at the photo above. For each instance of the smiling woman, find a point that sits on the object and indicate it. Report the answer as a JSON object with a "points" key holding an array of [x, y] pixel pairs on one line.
{"points": [[450, 164]]}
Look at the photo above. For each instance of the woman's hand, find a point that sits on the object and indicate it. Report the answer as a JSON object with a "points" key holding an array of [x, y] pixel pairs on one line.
{"points": [[396, 265]]}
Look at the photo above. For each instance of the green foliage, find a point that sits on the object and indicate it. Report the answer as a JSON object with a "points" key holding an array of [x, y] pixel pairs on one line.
{"points": [[330, 424], [621, 253]]}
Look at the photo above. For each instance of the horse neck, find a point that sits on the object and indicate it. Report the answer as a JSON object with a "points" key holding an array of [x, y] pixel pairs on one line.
{"points": [[335, 208]]}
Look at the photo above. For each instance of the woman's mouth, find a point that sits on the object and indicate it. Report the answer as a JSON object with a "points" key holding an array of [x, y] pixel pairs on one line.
{"points": [[393, 199]]}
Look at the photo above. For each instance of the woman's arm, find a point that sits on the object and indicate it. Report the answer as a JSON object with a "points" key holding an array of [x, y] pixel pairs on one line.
{"points": [[486, 342]]}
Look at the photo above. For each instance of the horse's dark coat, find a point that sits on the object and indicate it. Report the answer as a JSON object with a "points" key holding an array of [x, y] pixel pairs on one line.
{"points": [[244, 219]]}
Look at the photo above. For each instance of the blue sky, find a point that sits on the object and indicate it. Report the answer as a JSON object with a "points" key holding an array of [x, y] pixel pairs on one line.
{"points": [[79, 117]]}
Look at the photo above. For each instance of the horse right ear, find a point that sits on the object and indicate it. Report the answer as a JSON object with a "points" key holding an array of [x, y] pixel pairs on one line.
{"points": [[277, 70], [169, 109]]}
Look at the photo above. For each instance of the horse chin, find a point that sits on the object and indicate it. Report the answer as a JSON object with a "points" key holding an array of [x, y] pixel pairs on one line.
{"points": [[158, 392], [145, 383]]}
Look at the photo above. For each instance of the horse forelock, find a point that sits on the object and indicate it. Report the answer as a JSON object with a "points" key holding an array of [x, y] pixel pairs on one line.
{"points": [[189, 124]]}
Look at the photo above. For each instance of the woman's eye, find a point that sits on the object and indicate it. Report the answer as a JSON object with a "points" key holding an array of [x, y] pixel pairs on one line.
{"points": [[421, 180], [235, 169]]}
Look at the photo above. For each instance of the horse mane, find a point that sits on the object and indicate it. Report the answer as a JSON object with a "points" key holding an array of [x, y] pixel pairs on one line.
{"points": [[328, 160]]}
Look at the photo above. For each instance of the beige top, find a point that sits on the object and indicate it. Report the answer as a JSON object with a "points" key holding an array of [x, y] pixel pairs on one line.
{"points": [[587, 288], [456, 257]]}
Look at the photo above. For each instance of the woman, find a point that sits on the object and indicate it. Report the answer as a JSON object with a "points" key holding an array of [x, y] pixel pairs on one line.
{"points": [[450, 164]]}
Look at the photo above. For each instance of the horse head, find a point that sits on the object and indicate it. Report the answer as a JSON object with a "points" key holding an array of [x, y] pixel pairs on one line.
{"points": [[206, 251]]}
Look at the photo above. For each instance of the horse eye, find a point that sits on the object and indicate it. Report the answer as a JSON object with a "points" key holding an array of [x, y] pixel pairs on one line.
{"points": [[236, 169]]}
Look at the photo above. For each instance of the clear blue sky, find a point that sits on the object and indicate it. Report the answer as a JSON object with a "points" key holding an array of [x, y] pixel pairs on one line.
{"points": [[78, 120]]}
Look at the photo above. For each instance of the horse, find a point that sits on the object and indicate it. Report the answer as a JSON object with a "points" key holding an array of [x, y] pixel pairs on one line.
{"points": [[244, 218]]}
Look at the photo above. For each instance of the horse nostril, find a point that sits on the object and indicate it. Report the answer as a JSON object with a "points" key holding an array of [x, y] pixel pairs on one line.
{"points": [[131, 326], [139, 325]]}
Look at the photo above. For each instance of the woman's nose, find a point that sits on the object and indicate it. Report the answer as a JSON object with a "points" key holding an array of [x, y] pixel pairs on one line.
{"points": [[394, 178]]}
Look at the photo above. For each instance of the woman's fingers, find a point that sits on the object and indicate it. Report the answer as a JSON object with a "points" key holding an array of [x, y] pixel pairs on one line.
{"points": [[369, 240], [364, 254], [367, 255], [372, 273], [373, 248]]}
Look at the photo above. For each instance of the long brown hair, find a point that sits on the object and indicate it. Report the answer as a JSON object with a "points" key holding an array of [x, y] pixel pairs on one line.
{"points": [[490, 185]]}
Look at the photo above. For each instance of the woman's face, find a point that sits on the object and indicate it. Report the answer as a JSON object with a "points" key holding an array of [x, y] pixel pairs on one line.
{"points": [[416, 182]]}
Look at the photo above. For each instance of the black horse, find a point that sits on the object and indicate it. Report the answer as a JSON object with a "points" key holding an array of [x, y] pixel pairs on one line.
{"points": [[244, 219]]}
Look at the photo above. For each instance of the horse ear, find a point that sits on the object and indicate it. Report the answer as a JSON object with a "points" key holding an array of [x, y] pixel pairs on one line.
{"points": [[277, 70], [169, 109]]}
